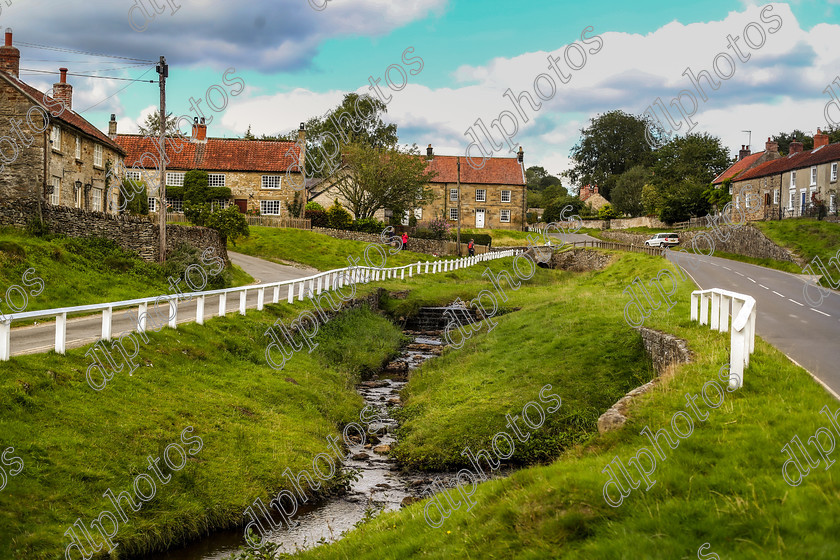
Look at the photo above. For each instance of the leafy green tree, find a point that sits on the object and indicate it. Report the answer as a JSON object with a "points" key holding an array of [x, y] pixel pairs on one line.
{"points": [[338, 217], [785, 138], [554, 210], [695, 157], [537, 178], [718, 196], [612, 144], [385, 177], [683, 201], [139, 203], [151, 126], [651, 200], [607, 212], [627, 193], [230, 223]]}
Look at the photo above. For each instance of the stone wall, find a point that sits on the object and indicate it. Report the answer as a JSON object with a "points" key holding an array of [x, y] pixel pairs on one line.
{"points": [[415, 244], [133, 233], [744, 240], [580, 260], [22, 170], [641, 221]]}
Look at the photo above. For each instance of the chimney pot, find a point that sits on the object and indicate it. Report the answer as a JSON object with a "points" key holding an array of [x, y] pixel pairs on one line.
{"points": [[10, 56], [430, 154], [62, 91], [8, 36], [112, 127], [302, 126], [795, 147], [63, 78], [199, 132], [771, 147], [521, 155], [820, 139]]}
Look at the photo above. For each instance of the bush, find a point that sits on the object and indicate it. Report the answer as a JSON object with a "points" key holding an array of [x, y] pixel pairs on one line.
{"points": [[338, 217], [607, 212], [423, 232], [312, 205], [480, 238], [37, 228], [182, 257], [555, 208], [139, 203], [318, 217], [230, 223], [368, 225], [438, 227]]}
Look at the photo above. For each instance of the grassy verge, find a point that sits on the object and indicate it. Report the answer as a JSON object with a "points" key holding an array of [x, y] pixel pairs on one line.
{"points": [[255, 422], [721, 485], [768, 263], [806, 237], [289, 246], [87, 271]]}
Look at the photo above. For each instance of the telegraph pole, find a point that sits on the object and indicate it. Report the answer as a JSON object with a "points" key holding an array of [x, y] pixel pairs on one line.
{"points": [[163, 72], [459, 207]]}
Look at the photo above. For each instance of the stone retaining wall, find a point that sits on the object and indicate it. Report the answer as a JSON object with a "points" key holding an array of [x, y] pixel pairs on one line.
{"points": [[137, 234], [415, 244]]}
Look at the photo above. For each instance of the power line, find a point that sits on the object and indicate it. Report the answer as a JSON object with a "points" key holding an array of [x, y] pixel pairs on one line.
{"points": [[33, 70], [62, 49], [113, 94]]}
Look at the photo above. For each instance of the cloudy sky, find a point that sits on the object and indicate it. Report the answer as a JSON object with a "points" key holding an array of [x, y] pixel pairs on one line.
{"points": [[271, 64]]}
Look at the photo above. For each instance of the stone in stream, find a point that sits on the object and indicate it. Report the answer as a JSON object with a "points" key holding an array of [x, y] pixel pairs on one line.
{"points": [[394, 401], [361, 456], [382, 449], [408, 500]]}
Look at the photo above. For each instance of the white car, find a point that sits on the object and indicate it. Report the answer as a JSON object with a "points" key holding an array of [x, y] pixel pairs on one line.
{"points": [[660, 239]]}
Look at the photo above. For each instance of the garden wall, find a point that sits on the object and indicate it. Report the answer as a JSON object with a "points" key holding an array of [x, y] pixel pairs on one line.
{"points": [[416, 244]]}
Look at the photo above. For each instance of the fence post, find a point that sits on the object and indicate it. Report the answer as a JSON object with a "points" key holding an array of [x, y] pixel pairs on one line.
{"points": [[276, 296], [222, 304], [242, 295], [199, 310], [724, 313], [260, 298], [291, 296], [704, 309], [300, 291], [61, 333], [107, 316], [173, 312], [5, 341], [715, 322], [142, 313], [402, 274]]}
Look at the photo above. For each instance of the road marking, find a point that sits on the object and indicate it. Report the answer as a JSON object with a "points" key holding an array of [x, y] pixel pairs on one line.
{"points": [[796, 302], [820, 312], [763, 286], [751, 280], [726, 267], [777, 293], [738, 273]]}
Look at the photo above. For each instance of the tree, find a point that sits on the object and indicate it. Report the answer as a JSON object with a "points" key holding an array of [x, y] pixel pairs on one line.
{"points": [[695, 157], [373, 178], [537, 178], [627, 193], [607, 212], [651, 200], [554, 210], [338, 217], [612, 144], [785, 138], [138, 204], [152, 125], [683, 201], [356, 120], [230, 223]]}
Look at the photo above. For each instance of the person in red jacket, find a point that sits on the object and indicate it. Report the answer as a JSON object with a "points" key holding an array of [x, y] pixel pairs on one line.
{"points": [[471, 247], [404, 240]]}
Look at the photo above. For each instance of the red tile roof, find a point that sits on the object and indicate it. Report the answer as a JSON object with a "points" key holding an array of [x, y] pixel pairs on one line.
{"points": [[218, 154], [496, 171], [67, 117], [795, 161], [737, 167]]}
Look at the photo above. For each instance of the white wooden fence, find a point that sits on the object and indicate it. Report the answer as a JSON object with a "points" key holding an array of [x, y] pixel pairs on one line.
{"points": [[323, 281], [742, 341]]}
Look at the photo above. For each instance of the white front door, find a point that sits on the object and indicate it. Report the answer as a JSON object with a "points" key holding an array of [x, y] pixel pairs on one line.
{"points": [[479, 219]]}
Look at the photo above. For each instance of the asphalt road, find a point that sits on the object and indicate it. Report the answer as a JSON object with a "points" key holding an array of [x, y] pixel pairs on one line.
{"points": [[84, 330]]}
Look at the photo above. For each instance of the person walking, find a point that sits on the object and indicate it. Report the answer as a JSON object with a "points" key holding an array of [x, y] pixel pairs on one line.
{"points": [[471, 247], [405, 239]]}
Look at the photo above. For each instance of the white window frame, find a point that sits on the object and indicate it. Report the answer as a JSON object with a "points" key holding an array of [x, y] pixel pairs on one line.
{"points": [[267, 182], [793, 179], [792, 198], [78, 147], [219, 203], [834, 172], [813, 175], [78, 197], [730, 188], [264, 207], [152, 205], [418, 213], [55, 197], [738, 201], [453, 214], [453, 194], [132, 175], [215, 179], [96, 200], [508, 193], [832, 202], [175, 178], [97, 155], [775, 196], [177, 205], [502, 216], [481, 195], [55, 137]]}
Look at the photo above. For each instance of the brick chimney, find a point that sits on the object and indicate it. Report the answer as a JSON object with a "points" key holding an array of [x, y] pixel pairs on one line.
{"points": [[771, 147], [520, 157], [62, 91], [112, 127], [430, 153], [10, 56], [199, 131], [795, 147], [745, 151], [820, 139]]}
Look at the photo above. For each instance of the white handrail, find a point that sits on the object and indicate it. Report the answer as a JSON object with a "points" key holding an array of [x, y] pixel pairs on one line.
{"points": [[742, 340], [326, 281]]}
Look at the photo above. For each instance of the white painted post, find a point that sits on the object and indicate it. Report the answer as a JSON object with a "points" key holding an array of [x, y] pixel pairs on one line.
{"points": [[402, 274], [260, 298], [173, 313], [142, 314], [242, 296], [5, 341], [291, 297], [222, 304], [704, 309], [311, 287], [276, 296], [737, 304], [199, 310], [724, 313], [715, 310], [751, 324], [107, 316], [300, 291], [319, 285], [736, 360], [427, 267], [61, 333], [327, 281]]}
